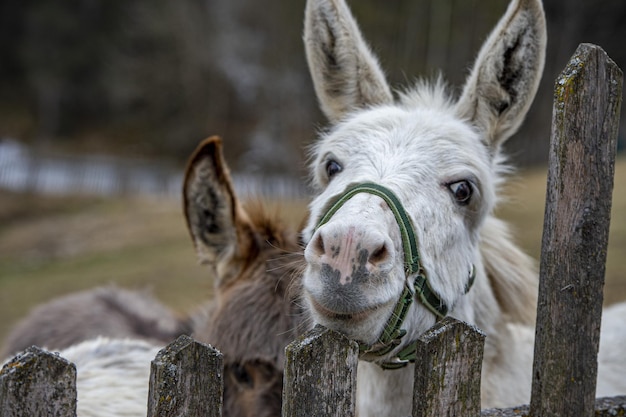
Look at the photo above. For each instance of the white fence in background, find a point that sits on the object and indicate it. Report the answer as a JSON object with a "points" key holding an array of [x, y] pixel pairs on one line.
{"points": [[24, 170]]}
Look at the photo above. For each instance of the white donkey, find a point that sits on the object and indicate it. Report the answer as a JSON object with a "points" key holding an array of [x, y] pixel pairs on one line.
{"points": [[406, 193]]}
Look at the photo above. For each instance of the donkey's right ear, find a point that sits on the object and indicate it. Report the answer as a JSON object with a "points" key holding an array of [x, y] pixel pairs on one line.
{"points": [[346, 75], [215, 219], [506, 75]]}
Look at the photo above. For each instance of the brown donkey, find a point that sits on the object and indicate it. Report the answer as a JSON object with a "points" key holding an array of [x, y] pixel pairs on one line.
{"points": [[253, 258]]}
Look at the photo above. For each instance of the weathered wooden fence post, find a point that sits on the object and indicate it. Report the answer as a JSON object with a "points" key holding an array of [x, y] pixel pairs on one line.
{"points": [[186, 380], [447, 372], [575, 235], [38, 383], [320, 375]]}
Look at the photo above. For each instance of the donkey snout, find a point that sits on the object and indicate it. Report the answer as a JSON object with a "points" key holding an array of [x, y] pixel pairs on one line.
{"points": [[349, 253]]}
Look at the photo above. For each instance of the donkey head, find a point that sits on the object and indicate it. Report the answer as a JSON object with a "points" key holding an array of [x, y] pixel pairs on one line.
{"points": [[404, 185], [254, 258]]}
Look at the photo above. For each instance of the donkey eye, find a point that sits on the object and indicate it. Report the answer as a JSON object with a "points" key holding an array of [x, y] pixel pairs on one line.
{"points": [[462, 191], [241, 375], [333, 168]]}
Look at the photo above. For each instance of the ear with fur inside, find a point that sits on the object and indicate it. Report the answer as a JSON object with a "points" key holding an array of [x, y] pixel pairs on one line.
{"points": [[506, 75], [345, 73], [215, 219]]}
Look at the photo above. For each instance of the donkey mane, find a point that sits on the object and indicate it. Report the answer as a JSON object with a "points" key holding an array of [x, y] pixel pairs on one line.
{"points": [[271, 232], [512, 274]]}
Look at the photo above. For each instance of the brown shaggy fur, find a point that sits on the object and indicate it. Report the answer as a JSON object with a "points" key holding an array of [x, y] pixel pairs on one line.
{"points": [[255, 316]]}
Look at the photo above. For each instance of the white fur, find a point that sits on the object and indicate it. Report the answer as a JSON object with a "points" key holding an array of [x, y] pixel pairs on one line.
{"points": [[418, 147], [112, 376], [612, 355]]}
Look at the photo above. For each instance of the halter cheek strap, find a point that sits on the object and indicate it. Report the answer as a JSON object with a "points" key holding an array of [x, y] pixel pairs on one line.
{"points": [[392, 333]]}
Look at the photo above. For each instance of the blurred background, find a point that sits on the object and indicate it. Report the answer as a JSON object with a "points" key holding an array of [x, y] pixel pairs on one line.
{"points": [[102, 101], [151, 78]]}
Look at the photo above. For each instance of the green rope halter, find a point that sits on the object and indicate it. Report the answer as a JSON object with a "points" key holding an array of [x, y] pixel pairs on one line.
{"points": [[392, 333]]}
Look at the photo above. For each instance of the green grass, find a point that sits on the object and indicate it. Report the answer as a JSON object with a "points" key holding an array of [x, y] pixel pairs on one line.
{"points": [[77, 244], [51, 246]]}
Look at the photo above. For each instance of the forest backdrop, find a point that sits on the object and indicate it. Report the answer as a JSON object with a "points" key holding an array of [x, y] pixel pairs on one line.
{"points": [[152, 78]]}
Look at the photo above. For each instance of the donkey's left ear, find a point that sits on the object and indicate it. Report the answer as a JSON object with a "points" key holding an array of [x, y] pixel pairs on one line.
{"points": [[218, 225], [506, 75]]}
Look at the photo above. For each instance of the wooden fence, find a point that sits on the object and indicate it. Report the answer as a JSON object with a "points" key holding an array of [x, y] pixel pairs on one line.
{"points": [[186, 375]]}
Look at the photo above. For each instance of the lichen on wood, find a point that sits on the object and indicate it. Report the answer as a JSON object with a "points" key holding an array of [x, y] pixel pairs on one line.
{"points": [[447, 374], [186, 378], [38, 383], [575, 237], [320, 375]]}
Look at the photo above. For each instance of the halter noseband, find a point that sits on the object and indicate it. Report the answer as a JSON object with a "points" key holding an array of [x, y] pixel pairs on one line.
{"points": [[392, 332]]}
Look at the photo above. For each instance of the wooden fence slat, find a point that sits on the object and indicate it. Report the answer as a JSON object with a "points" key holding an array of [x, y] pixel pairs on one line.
{"points": [[576, 228], [186, 379], [38, 383], [447, 372], [320, 375]]}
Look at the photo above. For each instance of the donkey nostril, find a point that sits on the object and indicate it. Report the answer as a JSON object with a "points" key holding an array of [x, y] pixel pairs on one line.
{"points": [[379, 255]]}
